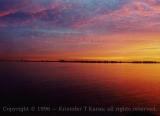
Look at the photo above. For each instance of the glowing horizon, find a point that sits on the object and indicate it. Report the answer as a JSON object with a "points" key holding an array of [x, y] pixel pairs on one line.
{"points": [[82, 29]]}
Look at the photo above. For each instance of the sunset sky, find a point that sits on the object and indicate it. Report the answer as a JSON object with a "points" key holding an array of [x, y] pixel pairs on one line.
{"points": [[80, 29]]}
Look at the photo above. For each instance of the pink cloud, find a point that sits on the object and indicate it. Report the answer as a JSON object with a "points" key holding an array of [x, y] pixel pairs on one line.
{"points": [[137, 15]]}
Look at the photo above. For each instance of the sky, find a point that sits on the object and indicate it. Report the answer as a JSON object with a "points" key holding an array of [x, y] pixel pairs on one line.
{"points": [[80, 29]]}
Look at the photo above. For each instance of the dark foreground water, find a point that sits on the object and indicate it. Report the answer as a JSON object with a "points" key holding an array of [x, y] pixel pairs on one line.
{"points": [[59, 87]]}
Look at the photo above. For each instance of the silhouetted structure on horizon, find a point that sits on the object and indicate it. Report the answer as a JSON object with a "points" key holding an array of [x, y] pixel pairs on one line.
{"points": [[107, 61], [84, 61]]}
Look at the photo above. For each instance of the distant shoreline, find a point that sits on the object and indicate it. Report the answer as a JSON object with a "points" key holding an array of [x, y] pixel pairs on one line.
{"points": [[86, 61]]}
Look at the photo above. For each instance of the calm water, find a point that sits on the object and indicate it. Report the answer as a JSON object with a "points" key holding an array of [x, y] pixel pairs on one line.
{"points": [[80, 84]]}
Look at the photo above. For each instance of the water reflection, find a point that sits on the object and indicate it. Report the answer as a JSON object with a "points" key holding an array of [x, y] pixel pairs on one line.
{"points": [[80, 84]]}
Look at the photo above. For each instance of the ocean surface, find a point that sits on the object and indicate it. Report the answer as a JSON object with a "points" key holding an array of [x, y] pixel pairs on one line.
{"points": [[80, 84]]}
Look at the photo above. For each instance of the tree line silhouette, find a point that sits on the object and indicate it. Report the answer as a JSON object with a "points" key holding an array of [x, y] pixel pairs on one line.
{"points": [[83, 61]]}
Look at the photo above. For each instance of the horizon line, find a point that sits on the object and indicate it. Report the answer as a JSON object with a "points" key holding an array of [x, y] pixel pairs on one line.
{"points": [[87, 61]]}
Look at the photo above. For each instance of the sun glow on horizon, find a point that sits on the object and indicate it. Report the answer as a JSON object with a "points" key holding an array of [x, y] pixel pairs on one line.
{"points": [[91, 29]]}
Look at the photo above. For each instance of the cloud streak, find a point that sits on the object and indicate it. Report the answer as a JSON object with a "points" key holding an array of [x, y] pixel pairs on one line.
{"points": [[79, 28]]}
